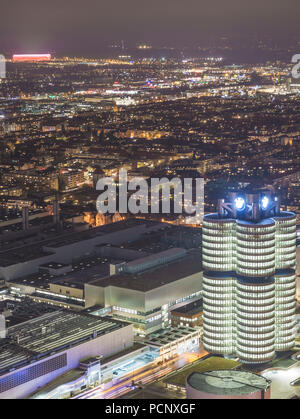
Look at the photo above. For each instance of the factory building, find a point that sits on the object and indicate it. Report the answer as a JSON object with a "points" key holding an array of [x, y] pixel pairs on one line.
{"points": [[65, 247], [145, 290], [38, 351]]}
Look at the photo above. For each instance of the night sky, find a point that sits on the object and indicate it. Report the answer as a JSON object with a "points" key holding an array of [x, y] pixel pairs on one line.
{"points": [[63, 26]]}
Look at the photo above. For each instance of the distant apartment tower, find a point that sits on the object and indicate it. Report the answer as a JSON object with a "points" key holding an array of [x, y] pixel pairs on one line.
{"points": [[25, 218], [249, 261]]}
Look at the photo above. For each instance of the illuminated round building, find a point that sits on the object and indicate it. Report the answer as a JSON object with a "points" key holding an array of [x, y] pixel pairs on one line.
{"points": [[255, 292], [227, 384], [218, 284], [249, 254], [285, 279]]}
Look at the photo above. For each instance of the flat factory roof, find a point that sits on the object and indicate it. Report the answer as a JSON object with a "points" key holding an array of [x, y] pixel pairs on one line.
{"points": [[51, 333], [156, 277]]}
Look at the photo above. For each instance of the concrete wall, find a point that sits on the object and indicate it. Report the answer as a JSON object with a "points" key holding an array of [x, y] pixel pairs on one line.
{"points": [[65, 290], [24, 268], [23, 289], [173, 291], [94, 295], [122, 297]]}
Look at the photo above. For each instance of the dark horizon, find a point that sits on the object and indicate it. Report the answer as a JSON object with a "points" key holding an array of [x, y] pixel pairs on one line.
{"points": [[75, 27]]}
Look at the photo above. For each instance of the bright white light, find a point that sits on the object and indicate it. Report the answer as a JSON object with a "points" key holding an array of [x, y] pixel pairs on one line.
{"points": [[239, 203], [264, 202]]}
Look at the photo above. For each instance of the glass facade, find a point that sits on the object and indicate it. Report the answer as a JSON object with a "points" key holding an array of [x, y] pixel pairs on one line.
{"points": [[218, 246], [285, 280], [218, 314], [249, 286], [255, 322]]}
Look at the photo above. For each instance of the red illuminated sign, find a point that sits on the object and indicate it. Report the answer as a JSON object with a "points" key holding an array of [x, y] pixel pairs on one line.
{"points": [[31, 57]]}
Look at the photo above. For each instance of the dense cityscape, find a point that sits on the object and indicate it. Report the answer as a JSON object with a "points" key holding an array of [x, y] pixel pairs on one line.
{"points": [[151, 304]]}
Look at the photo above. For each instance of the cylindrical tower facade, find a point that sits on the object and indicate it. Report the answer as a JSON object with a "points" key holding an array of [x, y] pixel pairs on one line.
{"points": [[285, 279], [255, 248], [218, 313], [218, 246], [255, 306], [285, 313], [255, 321], [285, 246], [249, 258]]}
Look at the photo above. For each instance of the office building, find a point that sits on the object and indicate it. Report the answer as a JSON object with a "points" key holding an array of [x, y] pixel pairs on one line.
{"points": [[189, 315], [249, 259]]}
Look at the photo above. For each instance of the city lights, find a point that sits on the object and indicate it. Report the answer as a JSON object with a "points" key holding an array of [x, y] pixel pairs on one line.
{"points": [[31, 57], [149, 203]]}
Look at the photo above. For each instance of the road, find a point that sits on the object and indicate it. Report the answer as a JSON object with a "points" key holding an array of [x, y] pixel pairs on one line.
{"points": [[141, 378]]}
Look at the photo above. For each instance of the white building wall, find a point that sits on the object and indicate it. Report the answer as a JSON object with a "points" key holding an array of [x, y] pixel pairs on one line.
{"points": [[173, 291], [140, 300], [126, 298], [94, 295], [20, 288], [24, 268]]}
